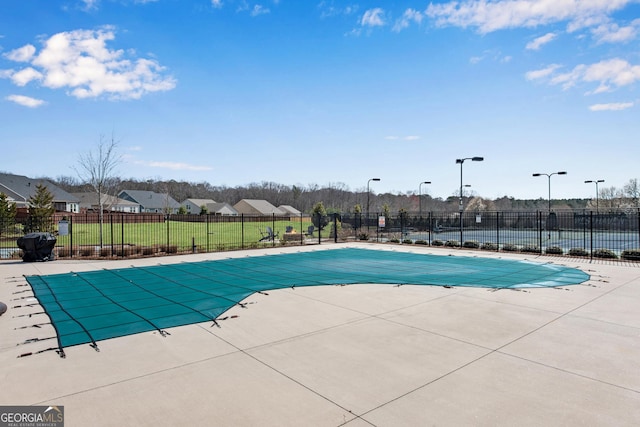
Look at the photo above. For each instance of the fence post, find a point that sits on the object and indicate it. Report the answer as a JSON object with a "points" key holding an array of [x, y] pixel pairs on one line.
{"points": [[122, 234], [430, 226], [71, 235], [113, 251], [591, 233], [335, 228], [319, 228], [497, 231], [242, 230]]}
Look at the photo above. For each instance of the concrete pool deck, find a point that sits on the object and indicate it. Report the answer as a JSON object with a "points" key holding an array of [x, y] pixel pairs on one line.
{"points": [[356, 355]]}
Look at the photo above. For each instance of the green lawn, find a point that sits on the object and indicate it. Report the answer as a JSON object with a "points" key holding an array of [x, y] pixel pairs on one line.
{"points": [[181, 235]]}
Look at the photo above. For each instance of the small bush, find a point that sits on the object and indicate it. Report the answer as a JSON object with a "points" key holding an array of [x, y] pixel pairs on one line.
{"points": [[531, 249], [172, 249], [437, 243], [66, 252], [554, 250], [631, 254], [452, 243], [578, 252], [422, 242], [509, 248], [604, 253], [363, 236], [488, 246], [394, 240], [87, 251], [407, 242], [148, 250], [105, 252], [471, 244]]}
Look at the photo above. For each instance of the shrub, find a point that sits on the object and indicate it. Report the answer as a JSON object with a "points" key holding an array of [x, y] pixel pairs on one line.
{"points": [[509, 248], [471, 244], [488, 246], [437, 243], [452, 243], [363, 236], [87, 251], [407, 242], [172, 249], [578, 252], [554, 250], [105, 252], [631, 254], [604, 253], [394, 240], [148, 250], [531, 249], [422, 242], [66, 252]]}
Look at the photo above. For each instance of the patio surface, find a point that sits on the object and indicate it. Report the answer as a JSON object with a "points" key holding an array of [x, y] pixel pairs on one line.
{"points": [[355, 355]]}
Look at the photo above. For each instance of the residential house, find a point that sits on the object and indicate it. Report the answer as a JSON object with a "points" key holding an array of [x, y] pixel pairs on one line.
{"points": [[150, 201], [20, 188], [89, 201], [290, 210], [256, 207], [194, 206]]}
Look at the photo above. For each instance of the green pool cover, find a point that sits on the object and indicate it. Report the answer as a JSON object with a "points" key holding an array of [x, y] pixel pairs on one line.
{"points": [[97, 305]]}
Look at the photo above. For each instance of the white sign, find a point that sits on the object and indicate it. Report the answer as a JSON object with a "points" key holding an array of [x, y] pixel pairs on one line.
{"points": [[63, 228], [381, 221]]}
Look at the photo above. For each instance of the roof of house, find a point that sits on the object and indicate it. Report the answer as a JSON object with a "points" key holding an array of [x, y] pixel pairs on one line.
{"points": [[199, 202], [91, 199], [289, 209], [150, 199], [261, 206], [218, 206], [21, 188]]}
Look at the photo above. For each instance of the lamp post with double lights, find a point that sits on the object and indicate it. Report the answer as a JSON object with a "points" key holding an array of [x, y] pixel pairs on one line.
{"points": [[596, 182], [549, 175], [461, 208]]}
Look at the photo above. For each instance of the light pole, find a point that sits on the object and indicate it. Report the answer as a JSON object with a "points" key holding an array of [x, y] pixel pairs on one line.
{"points": [[420, 196], [460, 162], [596, 182], [549, 175], [368, 194]]}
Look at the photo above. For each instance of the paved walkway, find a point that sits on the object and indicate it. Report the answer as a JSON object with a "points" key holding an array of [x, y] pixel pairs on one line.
{"points": [[355, 355]]}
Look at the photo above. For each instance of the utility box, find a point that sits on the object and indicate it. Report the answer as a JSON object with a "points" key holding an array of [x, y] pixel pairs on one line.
{"points": [[37, 246]]}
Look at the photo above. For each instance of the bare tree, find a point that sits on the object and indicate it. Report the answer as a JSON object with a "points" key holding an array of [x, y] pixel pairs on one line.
{"points": [[97, 168], [632, 191]]}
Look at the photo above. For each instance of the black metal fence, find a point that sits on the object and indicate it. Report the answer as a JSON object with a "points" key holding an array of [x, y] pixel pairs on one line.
{"points": [[580, 233]]}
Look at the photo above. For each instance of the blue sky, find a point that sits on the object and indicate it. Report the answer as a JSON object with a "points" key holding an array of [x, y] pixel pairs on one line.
{"points": [[327, 92]]}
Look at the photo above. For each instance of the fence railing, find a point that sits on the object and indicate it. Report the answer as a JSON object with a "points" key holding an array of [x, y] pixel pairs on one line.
{"points": [[581, 233]]}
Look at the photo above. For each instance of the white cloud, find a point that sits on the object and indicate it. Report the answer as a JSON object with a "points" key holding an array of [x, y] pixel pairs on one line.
{"points": [[404, 138], [23, 54], [542, 73], [24, 76], [490, 15], [26, 101], [538, 42], [81, 61], [612, 33], [608, 74], [614, 106], [259, 10], [373, 18], [409, 16], [216, 3]]}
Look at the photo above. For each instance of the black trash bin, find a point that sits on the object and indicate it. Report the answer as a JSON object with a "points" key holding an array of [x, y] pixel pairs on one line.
{"points": [[37, 246]]}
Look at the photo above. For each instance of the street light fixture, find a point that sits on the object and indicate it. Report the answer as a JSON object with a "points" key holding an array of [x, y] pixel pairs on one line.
{"points": [[460, 162], [420, 195], [368, 194], [549, 175], [596, 182]]}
